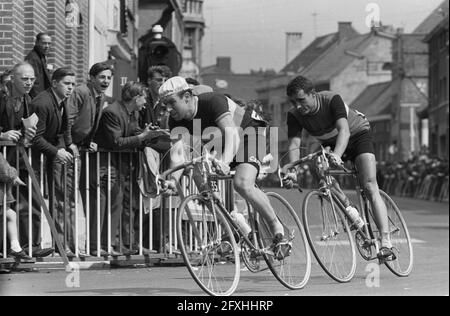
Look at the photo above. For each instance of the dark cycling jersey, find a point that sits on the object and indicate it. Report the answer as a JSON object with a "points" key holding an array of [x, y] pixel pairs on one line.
{"points": [[322, 123], [214, 106]]}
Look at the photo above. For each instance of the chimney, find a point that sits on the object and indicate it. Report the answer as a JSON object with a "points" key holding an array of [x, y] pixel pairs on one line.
{"points": [[224, 63], [293, 45], [345, 30]]}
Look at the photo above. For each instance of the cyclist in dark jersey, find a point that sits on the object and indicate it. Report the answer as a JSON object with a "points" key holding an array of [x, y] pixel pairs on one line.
{"points": [[217, 115], [327, 118]]}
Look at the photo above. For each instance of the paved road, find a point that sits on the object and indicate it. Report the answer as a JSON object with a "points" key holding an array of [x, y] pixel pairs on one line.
{"points": [[429, 227]]}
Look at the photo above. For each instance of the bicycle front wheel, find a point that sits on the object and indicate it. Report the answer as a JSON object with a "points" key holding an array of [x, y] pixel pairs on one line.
{"points": [[295, 269], [208, 246], [400, 238], [329, 236]]}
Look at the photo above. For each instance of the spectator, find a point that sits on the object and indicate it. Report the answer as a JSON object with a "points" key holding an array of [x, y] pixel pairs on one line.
{"points": [[5, 78], [38, 59], [51, 140], [14, 106], [118, 131], [9, 176], [153, 114], [86, 106]]}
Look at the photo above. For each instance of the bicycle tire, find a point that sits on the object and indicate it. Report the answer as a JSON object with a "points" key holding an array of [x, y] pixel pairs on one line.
{"points": [[294, 270], [329, 237], [400, 237], [212, 257]]}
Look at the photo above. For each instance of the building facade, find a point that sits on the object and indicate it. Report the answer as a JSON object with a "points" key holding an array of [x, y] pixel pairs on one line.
{"points": [[83, 33], [410, 113], [194, 26], [438, 110]]}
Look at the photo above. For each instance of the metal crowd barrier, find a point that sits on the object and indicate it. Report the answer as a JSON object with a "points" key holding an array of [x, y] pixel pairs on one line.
{"points": [[77, 210]]}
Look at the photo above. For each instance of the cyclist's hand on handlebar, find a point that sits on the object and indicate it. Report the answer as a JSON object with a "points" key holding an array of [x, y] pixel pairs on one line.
{"points": [[335, 160], [289, 180], [168, 187], [221, 167]]}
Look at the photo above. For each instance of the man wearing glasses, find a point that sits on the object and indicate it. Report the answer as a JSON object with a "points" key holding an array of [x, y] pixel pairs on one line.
{"points": [[38, 59]]}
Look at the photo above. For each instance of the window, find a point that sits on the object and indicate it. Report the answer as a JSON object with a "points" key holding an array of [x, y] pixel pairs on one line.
{"points": [[123, 17], [189, 38], [116, 18]]}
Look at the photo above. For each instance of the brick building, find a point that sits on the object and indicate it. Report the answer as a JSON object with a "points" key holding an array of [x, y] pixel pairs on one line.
{"points": [[22, 20]]}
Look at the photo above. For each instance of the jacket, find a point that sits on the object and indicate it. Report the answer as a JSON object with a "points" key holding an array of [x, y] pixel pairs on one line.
{"points": [[52, 128], [83, 118], [7, 115], [43, 77]]}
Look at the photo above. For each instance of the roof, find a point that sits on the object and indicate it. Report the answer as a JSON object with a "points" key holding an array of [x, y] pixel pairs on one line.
{"points": [[310, 53], [237, 85], [319, 46], [336, 58], [433, 19], [441, 26], [214, 69], [375, 100]]}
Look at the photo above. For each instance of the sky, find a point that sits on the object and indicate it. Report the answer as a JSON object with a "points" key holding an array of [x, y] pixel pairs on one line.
{"points": [[252, 32]]}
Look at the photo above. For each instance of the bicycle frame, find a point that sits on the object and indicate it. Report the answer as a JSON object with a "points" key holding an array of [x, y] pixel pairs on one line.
{"points": [[210, 191], [363, 203]]}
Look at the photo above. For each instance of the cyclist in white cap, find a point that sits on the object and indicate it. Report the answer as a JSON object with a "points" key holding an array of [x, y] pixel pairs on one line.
{"points": [[215, 111]]}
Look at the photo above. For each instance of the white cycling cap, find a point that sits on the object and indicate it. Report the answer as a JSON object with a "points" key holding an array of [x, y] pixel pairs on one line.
{"points": [[173, 86]]}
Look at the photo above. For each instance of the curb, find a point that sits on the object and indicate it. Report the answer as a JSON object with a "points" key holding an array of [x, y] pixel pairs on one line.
{"points": [[122, 262]]}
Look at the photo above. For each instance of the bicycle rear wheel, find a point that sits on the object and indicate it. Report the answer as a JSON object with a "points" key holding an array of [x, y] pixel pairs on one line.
{"points": [[400, 238], [208, 246], [329, 236], [295, 269]]}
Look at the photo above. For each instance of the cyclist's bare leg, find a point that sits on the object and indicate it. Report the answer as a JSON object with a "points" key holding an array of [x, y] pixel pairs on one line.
{"points": [[244, 184], [337, 192], [366, 164]]}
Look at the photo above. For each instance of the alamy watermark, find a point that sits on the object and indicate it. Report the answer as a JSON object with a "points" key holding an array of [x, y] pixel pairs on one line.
{"points": [[373, 278], [257, 142], [373, 19], [73, 279]]}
